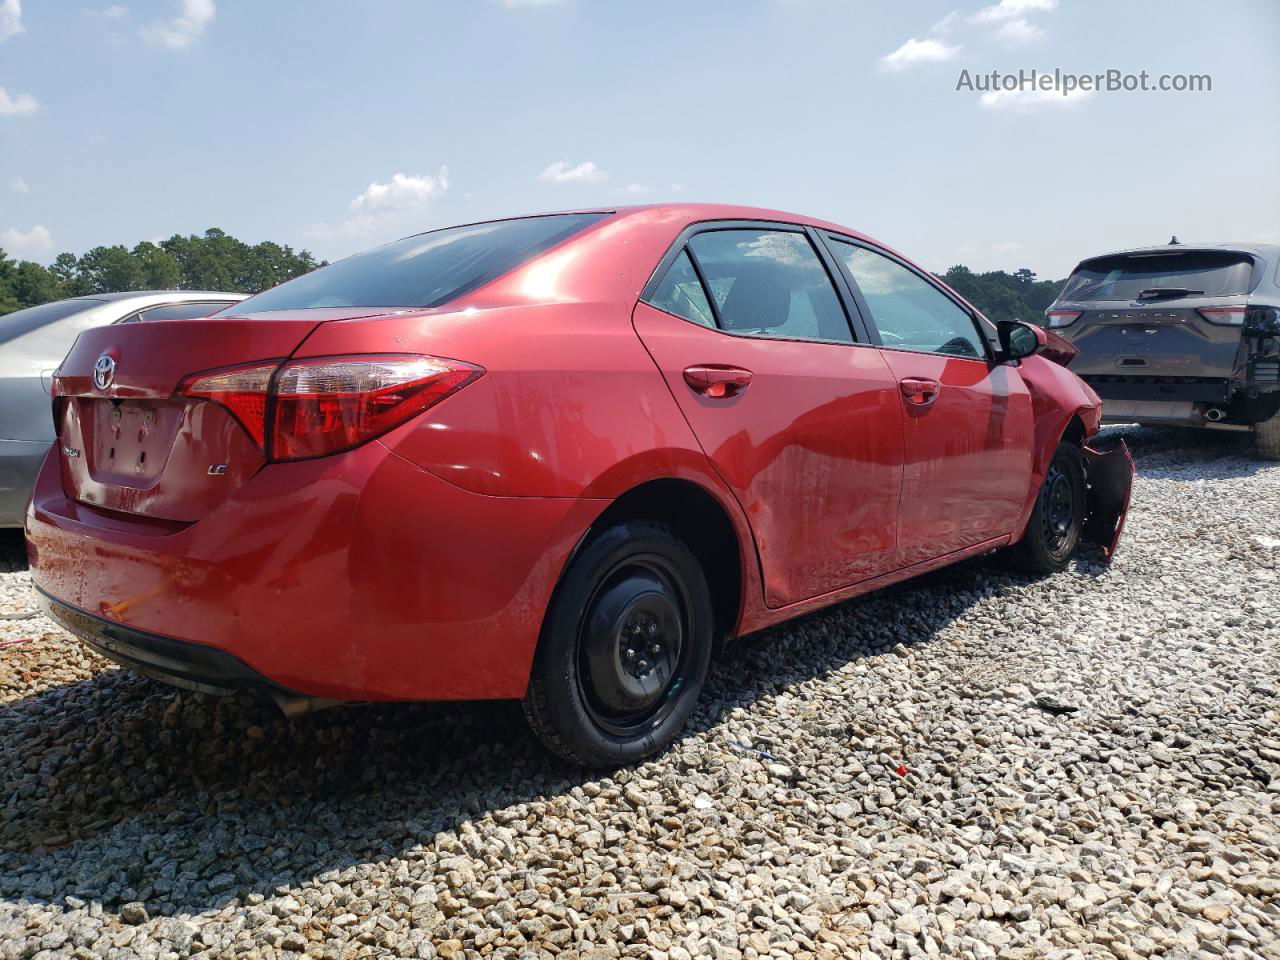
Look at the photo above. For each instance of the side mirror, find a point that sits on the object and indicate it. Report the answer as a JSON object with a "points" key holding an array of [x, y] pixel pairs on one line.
{"points": [[1018, 339]]}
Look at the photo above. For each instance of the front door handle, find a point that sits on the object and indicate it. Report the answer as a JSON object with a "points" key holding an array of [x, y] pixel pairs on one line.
{"points": [[920, 391], [717, 382]]}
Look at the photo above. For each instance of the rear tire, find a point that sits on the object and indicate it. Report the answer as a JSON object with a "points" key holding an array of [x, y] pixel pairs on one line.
{"points": [[1053, 530], [625, 648], [1266, 438]]}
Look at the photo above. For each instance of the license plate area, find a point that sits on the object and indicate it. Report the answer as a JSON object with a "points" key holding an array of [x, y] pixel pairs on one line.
{"points": [[131, 439]]}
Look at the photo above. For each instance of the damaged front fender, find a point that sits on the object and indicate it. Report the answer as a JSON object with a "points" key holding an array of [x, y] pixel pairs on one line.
{"points": [[1109, 484]]}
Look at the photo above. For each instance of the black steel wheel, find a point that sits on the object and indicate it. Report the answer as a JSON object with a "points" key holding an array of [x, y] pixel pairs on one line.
{"points": [[1053, 530], [624, 650]]}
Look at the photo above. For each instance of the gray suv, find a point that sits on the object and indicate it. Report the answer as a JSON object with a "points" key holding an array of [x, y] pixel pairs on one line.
{"points": [[1180, 335]]}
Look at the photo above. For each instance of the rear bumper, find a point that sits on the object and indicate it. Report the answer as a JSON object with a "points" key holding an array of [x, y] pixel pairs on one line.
{"points": [[19, 465], [1122, 389], [353, 577], [177, 662]]}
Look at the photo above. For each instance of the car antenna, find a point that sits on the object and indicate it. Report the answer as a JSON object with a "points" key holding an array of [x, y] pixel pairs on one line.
{"points": [[1173, 241]]}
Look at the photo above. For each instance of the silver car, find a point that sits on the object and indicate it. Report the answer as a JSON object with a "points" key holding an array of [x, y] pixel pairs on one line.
{"points": [[33, 343]]}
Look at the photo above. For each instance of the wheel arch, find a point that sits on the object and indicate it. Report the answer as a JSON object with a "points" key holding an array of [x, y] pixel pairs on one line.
{"points": [[707, 525]]}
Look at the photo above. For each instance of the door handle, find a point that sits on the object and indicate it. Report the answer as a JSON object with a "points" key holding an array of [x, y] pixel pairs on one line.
{"points": [[920, 391], [717, 382]]}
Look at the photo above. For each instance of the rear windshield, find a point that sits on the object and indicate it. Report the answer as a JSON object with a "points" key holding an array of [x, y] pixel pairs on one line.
{"points": [[426, 270], [14, 325], [1130, 277]]}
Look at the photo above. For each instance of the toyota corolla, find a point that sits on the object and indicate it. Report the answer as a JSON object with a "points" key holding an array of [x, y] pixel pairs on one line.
{"points": [[558, 458]]}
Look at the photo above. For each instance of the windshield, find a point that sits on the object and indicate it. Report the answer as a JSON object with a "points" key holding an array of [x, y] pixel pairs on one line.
{"points": [[426, 270], [14, 325], [1129, 277]]}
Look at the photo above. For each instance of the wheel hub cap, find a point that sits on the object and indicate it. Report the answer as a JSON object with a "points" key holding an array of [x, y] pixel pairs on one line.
{"points": [[631, 646]]}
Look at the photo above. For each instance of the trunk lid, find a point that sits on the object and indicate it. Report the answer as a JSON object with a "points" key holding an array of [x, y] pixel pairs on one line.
{"points": [[127, 444], [1159, 339]]}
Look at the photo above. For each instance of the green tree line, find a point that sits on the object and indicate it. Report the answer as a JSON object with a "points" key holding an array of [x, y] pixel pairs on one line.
{"points": [[214, 261], [1004, 296]]}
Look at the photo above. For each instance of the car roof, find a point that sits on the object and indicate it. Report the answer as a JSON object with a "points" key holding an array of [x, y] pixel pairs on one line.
{"points": [[689, 212], [1267, 251], [174, 296]]}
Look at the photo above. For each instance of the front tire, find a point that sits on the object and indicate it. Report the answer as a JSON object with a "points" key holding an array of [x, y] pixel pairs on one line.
{"points": [[1053, 531], [625, 648]]}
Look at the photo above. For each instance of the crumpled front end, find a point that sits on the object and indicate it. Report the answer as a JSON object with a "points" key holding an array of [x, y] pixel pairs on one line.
{"points": [[1109, 484]]}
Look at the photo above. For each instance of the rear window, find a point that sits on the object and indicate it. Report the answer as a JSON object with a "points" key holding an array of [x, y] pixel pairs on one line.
{"points": [[14, 325], [1130, 277], [426, 270], [181, 311]]}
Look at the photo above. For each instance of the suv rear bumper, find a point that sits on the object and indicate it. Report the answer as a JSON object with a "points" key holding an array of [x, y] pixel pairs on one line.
{"points": [[1160, 389]]}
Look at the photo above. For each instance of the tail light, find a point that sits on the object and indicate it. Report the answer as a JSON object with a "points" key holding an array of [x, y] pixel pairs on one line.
{"points": [[1062, 318], [242, 390], [334, 403], [323, 405], [1224, 316]]}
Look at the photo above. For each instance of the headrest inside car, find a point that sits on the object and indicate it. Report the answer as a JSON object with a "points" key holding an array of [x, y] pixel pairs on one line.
{"points": [[760, 298]]}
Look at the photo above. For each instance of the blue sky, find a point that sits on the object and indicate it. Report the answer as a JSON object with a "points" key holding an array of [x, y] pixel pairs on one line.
{"points": [[338, 125]]}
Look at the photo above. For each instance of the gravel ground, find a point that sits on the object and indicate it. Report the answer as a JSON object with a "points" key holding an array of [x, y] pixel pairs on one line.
{"points": [[970, 765]]}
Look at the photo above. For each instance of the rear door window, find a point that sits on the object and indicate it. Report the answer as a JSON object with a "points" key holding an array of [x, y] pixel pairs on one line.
{"points": [[909, 312], [682, 293], [1153, 276], [14, 325], [769, 283]]}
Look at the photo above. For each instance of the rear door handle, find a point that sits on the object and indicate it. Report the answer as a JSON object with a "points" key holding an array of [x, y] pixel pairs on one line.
{"points": [[920, 391], [717, 382]]}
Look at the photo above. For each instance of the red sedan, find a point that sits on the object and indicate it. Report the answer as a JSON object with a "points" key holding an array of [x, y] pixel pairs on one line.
{"points": [[556, 458]]}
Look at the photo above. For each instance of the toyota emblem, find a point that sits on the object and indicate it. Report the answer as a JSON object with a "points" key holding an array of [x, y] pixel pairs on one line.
{"points": [[104, 371]]}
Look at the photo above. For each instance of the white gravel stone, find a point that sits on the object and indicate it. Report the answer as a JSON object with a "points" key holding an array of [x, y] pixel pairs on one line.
{"points": [[974, 764]]}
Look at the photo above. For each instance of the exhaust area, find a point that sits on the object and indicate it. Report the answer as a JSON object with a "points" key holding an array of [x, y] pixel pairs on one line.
{"points": [[294, 705]]}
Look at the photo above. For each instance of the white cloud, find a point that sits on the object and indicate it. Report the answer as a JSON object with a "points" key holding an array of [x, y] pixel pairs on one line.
{"points": [[184, 29], [917, 51], [1006, 246], [1031, 101], [1018, 33], [36, 242], [635, 188], [384, 210], [17, 103], [944, 25], [10, 19], [401, 192], [678, 188], [1010, 9], [115, 12], [562, 172], [18, 185]]}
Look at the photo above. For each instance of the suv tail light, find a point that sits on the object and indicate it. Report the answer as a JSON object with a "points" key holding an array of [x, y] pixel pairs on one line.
{"points": [[1224, 316], [322, 405], [1062, 318]]}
